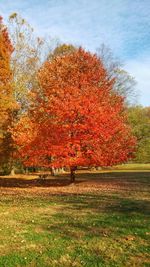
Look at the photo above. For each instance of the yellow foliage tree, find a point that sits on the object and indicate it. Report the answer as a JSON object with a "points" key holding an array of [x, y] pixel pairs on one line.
{"points": [[7, 101]]}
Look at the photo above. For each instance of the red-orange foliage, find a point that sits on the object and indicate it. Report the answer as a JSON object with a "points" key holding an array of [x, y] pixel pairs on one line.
{"points": [[77, 118]]}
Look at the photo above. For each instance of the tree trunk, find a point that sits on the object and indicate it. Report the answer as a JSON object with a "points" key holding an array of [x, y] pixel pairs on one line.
{"points": [[52, 171], [72, 174], [62, 170], [12, 171], [26, 170]]}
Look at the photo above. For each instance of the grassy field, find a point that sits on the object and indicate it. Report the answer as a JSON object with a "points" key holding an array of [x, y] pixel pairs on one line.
{"points": [[101, 220], [135, 167]]}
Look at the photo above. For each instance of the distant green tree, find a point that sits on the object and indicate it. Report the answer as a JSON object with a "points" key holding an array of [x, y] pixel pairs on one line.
{"points": [[139, 118]]}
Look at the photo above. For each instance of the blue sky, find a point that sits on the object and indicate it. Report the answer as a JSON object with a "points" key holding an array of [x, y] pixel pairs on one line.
{"points": [[123, 25]]}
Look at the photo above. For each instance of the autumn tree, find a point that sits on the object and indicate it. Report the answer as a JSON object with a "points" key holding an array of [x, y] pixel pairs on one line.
{"points": [[26, 58], [7, 102], [25, 62], [61, 50], [77, 119]]}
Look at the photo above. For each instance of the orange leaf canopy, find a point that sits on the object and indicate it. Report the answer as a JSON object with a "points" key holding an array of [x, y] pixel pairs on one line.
{"points": [[77, 117]]}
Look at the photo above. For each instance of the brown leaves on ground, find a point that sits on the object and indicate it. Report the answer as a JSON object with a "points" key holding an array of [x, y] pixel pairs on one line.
{"points": [[86, 182]]}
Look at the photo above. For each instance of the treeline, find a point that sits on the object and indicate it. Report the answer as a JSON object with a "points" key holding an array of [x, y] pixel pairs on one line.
{"points": [[139, 119], [62, 106]]}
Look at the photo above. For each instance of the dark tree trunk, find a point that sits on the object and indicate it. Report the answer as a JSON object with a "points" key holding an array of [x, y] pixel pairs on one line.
{"points": [[52, 171], [72, 174], [26, 170]]}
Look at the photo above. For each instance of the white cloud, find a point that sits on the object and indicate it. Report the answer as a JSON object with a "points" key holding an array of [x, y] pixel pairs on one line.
{"points": [[89, 23], [123, 25], [140, 69]]}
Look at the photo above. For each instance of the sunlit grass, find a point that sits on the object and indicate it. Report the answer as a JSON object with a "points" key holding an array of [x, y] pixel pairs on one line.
{"points": [[77, 229], [133, 166]]}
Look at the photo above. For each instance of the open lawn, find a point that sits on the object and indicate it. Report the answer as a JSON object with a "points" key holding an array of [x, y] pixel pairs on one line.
{"points": [[101, 220], [133, 166]]}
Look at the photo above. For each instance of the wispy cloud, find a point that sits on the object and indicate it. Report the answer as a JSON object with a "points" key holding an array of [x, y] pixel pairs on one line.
{"points": [[123, 25], [140, 69]]}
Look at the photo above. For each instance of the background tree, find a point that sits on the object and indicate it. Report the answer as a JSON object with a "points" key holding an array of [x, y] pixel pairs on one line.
{"points": [[61, 50], [80, 121], [139, 118], [7, 102], [26, 58], [124, 82], [25, 62]]}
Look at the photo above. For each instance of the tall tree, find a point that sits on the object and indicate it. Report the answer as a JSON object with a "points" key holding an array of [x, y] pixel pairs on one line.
{"points": [[7, 101], [77, 120], [26, 58]]}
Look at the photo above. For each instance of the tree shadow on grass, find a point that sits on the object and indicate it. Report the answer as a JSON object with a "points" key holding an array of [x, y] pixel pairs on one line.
{"points": [[117, 176], [22, 183], [130, 181], [86, 179], [110, 204], [99, 216]]}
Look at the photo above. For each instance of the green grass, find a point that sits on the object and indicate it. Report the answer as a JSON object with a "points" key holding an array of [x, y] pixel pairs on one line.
{"points": [[106, 228], [133, 166]]}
